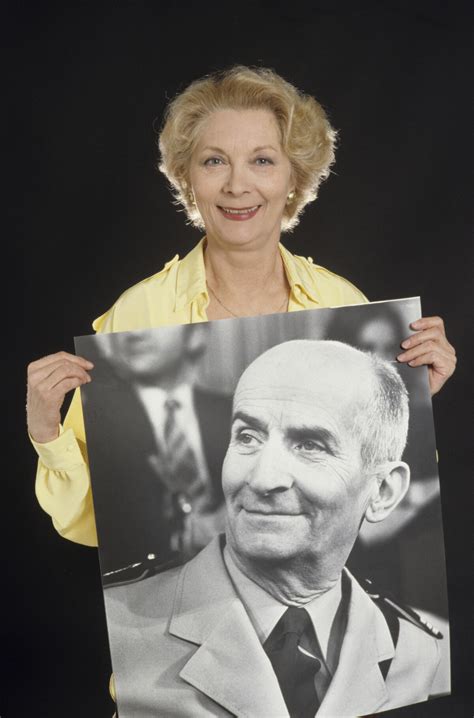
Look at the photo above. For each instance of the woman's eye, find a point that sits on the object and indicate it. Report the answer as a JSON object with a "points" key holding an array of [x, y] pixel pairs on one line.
{"points": [[213, 161], [262, 161]]}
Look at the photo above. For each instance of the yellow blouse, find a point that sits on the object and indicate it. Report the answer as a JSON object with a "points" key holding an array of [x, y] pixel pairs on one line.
{"points": [[176, 295]]}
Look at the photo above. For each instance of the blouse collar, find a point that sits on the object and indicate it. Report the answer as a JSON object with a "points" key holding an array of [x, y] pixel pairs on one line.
{"points": [[191, 277]]}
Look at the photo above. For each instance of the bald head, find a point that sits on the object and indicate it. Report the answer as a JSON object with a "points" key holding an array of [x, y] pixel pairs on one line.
{"points": [[357, 388]]}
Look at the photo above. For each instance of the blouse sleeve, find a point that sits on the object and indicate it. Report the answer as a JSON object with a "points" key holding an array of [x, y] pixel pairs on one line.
{"points": [[63, 484], [63, 487]]}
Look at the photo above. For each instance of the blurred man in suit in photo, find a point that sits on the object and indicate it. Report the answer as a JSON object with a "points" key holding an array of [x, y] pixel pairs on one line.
{"points": [[266, 620], [158, 445]]}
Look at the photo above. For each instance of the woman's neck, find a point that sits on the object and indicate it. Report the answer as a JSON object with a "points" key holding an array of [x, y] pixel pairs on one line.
{"points": [[245, 281]]}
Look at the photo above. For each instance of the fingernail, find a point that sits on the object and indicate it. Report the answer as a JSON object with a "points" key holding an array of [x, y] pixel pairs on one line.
{"points": [[406, 343], [411, 363], [415, 325], [400, 357]]}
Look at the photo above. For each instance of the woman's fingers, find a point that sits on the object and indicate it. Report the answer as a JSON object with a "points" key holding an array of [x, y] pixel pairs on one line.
{"points": [[63, 370], [427, 334], [429, 346], [40, 368], [60, 355], [49, 375], [49, 380], [60, 390], [427, 323], [432, 357], [440, 368]]}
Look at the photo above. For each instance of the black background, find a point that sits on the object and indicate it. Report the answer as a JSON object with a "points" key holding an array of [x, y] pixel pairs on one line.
{"points": [[88, 216]]}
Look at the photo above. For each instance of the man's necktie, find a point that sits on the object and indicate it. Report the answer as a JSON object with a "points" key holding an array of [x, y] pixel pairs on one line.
{"points": [[182, 471], [171, 406], [294, 669]]}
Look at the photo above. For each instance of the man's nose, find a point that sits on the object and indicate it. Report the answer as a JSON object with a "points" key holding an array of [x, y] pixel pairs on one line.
{"points": [[237, 180], [270, 473]]}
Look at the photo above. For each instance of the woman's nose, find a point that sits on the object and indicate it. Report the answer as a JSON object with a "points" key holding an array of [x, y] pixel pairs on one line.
{"points": [[237, 181], [271, 472]]}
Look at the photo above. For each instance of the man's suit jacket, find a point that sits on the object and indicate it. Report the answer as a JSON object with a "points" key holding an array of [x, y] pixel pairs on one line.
{"points": [[183, 645], [128, 492]]}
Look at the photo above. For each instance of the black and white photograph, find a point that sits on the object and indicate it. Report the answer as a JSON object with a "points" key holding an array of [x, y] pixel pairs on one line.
{"points": [[268, 512]]}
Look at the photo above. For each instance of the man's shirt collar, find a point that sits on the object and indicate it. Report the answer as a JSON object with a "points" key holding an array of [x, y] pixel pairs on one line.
{"points": [[265, 611]]}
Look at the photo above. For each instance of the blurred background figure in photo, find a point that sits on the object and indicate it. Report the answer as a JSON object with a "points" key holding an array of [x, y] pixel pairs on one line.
{"points": [[153, 402], [403, 543]]}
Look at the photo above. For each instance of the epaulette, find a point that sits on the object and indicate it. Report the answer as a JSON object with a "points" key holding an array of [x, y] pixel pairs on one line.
{"points": [[134, 572], [391, 607]]}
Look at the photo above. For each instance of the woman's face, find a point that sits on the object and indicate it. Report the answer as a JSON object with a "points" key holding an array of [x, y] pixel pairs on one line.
{"points": [[241, 177]]}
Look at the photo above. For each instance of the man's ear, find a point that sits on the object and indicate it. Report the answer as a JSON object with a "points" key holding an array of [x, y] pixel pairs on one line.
{"points": [[392, 482]]}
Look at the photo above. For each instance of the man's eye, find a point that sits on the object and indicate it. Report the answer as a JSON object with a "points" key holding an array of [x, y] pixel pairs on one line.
{"points": [[309, 446], [244, 438]]}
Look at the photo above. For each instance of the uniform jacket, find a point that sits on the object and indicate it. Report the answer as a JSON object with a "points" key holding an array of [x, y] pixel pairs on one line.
{"points": [[183, 645]]}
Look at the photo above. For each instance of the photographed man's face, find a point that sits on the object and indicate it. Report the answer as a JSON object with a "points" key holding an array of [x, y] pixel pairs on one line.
{"points": [[293, 477], [145, 356]]}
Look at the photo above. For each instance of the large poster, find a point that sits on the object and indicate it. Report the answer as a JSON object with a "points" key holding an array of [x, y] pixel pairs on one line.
{"points": [[268, 510]]}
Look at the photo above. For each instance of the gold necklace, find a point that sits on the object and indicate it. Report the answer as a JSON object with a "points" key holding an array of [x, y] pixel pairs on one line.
{"points": [[233, 313]]}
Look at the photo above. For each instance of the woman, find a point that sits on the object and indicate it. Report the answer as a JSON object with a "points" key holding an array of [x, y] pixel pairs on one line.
{"points": [[245, 152]]}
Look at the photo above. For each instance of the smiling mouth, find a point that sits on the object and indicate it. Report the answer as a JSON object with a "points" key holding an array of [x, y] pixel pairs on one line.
{"points": [[270, 513], [240, 213]]}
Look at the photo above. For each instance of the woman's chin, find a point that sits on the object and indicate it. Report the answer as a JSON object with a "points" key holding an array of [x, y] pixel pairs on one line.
{"points": [[241, 234]]}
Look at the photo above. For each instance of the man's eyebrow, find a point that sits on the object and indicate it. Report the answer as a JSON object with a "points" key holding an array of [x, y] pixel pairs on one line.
{"points": [[252, 421], [308, 431], [294, 433]]}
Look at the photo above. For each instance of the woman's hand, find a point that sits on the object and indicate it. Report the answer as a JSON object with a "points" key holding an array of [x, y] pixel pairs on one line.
{"points": [[430, 346], [49, 380]]}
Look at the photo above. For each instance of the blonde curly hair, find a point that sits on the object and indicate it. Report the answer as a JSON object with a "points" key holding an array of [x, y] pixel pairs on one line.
{"points": [[307, 137]]}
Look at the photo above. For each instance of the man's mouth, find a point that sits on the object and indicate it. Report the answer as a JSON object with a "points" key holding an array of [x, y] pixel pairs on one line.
{"points": [[271, 512], [239, 214]]}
